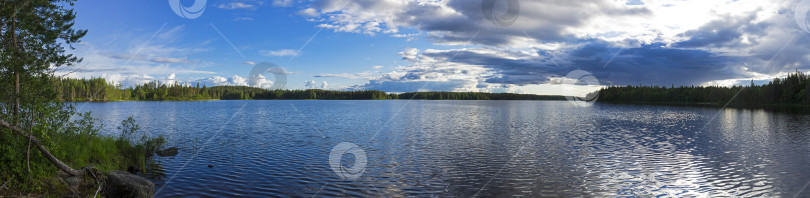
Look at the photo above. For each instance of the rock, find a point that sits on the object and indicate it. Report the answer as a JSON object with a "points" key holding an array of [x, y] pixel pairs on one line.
{"points": [[168, 152], [133, 169], [123, 184]]}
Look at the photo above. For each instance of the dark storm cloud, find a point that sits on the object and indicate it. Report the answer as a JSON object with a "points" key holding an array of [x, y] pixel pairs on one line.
{"points": [[585, 35], [522, 71], [460, 21], [411, 86], [725, 32], [546, 20], [654, 64]]}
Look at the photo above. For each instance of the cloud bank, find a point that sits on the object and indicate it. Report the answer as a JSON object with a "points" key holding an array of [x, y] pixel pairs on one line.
{"points": [[649, 42]]}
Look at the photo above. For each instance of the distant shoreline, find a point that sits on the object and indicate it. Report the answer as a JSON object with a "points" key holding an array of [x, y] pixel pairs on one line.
{"points": [[102, 101], [97, 89], [787, 108]]}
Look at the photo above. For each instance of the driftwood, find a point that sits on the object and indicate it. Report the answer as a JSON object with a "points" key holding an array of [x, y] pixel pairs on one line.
{"points": [[61, 166]]}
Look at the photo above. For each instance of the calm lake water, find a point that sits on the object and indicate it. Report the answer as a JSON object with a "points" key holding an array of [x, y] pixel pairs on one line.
{"points": [[470, 148]]}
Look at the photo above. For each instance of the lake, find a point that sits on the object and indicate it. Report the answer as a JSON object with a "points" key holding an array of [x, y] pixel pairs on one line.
{"points": [[468, 148]]}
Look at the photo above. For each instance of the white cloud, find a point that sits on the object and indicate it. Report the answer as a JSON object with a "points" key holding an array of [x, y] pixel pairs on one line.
{"points": [[121, 79], [363, 75], [132, 59], [170, 79], [697, 40], [310, 12], [548, 39], [235, 80], [97, 63], [282, 3], [149, 58], [427, 73], [409, 54], [217, 81], [539, 22], [168, 34], [259, 81], [170, 60], [236, 5], [281, 52], [310, 84]]}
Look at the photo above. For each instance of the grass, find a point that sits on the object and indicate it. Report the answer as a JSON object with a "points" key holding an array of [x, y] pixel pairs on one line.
{"points": [[106, 153]]}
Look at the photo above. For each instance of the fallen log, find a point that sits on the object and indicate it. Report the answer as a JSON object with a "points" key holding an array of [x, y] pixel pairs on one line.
{"points": [[61, 166]]}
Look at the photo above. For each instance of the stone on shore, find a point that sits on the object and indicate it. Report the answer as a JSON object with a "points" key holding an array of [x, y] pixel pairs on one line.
{"points": [[168, 152], [126, 185]]}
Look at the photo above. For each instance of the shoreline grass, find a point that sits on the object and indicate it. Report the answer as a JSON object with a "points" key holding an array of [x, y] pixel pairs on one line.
{"points": [[85, 148]]}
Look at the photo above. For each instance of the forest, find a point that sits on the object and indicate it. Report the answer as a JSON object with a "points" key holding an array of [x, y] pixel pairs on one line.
{"points": [[97, 89], [791, 90], [788, 91], [475, 96]]}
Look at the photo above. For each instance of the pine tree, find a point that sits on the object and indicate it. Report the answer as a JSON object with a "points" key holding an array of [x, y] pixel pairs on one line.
{"points": [[35, 38]]}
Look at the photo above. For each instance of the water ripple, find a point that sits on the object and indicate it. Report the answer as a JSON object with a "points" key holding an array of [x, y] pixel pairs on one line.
{"points": [[464, 148]]}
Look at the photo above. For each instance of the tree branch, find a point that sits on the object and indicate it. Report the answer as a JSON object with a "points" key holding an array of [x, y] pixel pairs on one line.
{"points": [[62, 166]]}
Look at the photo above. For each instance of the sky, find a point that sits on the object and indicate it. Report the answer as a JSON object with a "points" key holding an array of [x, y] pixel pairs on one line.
{"points": [[515, 46]]}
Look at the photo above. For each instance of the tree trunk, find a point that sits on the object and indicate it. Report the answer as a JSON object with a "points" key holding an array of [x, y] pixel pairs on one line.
{"points": [[16, 69], [28, 156], [28, 150], [61, 166], [16, 72], [17, 95]]}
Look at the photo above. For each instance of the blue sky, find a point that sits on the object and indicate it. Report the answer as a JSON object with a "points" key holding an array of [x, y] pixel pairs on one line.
{"points": [[443, 45]]}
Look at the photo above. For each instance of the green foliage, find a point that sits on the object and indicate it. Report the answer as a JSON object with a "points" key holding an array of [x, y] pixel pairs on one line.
{"points": [[33, 42], [34, 39], [97, 89], [128, 128], [78, 144], [791, 90], [136, 151]]}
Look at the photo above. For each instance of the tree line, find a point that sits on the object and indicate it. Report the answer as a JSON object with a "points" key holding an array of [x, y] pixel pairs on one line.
{"points": [[791, 90], [474, 96], [97, 89]]}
